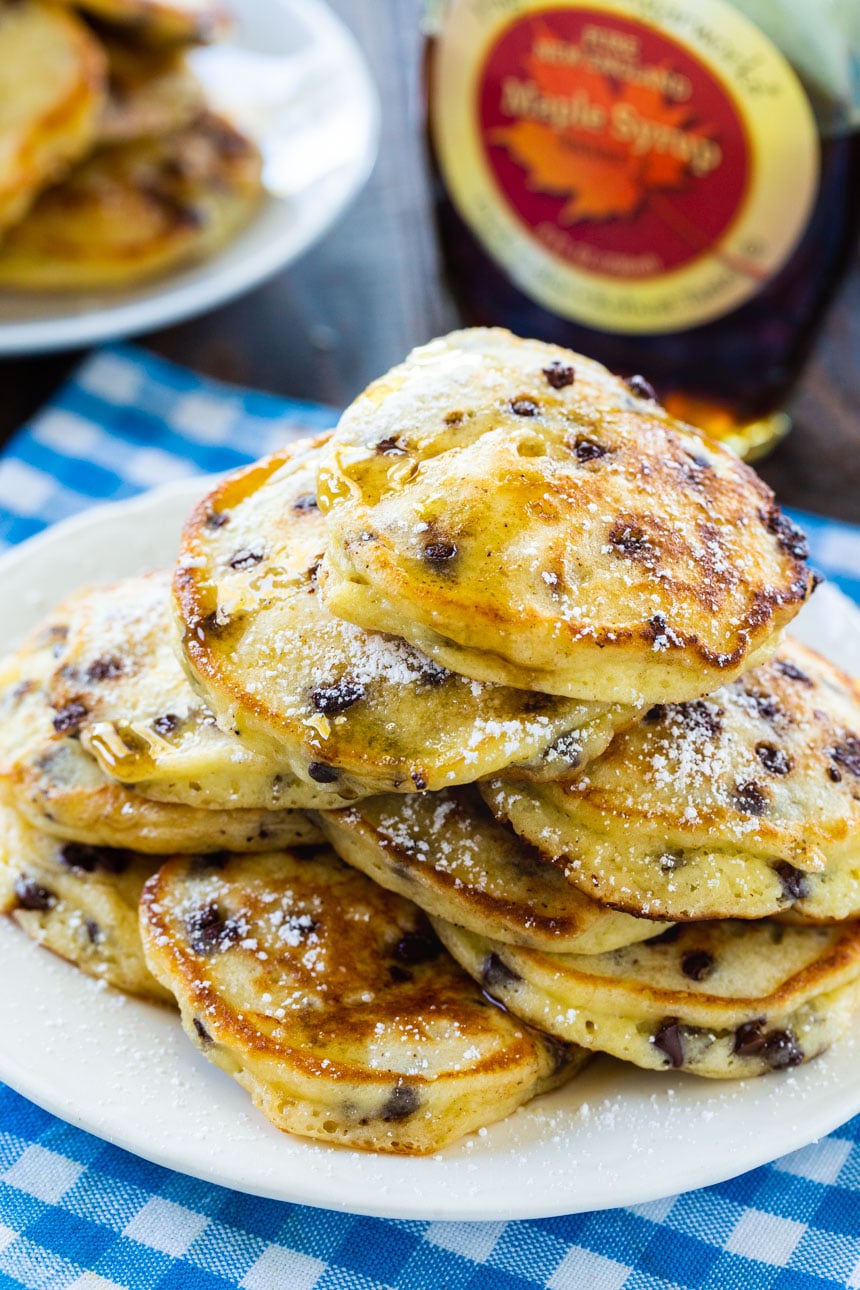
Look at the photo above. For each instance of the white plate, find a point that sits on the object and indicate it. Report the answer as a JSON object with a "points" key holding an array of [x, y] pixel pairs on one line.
{"points": [[124, 1071], [293, 74]]}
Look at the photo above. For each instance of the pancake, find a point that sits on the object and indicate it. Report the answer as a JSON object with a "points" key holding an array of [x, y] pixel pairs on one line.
{"points": [[333, 1004], [134, 211], [181, 22], [447, 853], [81, 902], [525, 517], [151, 92], [741, 805], [725, 1000], [62, 791], [52, 88], [361, 712], [139, 717]]}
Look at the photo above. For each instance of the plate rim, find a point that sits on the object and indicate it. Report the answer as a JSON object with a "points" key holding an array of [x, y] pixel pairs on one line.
{"points": [[175, 302], [336, 1189]]}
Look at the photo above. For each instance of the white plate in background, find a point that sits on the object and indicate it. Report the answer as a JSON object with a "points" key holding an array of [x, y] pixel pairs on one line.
{"points": [[292, 74], [125, 1071]]}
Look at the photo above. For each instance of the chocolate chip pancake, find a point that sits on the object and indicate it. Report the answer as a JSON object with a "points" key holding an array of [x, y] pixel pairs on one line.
{"points": [[136, 210], [725, 1000], [151, 91], [740, 805], [79, 901], [447, 853], [334, 1005], [62, 790], [52, 90], [181, 22], [357, 712], [525, 517], [136, 713]]}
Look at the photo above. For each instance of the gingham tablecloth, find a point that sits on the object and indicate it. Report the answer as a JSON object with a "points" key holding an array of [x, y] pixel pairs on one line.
{"points": [[75, 1211]]}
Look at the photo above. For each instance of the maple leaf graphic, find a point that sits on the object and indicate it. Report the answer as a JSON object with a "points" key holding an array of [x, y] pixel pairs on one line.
{"points": [[602, 176]]}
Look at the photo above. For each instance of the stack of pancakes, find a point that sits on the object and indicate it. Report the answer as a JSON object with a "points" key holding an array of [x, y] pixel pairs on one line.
{"points": [[112, 168], [475, 744]]}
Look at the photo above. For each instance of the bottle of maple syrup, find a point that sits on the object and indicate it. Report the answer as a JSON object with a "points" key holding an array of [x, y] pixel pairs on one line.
{"points": [[670, 186]]}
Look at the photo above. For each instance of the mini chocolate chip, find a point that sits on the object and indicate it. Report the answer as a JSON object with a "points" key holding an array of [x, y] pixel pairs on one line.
{"points": [[766, 707], [217, 519], [657, 713], [69, 719], [537, 702], [560, 1052], [788, 535], [166, 724], [657, 627], [331, 699], [453, 418], [697, 964], [417, 947], [90, 859], [439, 552], [391, 447], [216, 623], [834, 774], [298, 926], [559, 375], [750, 799], [306, 502], [694, 472], [208, 930], [246, 558], [31, 895], [419, 780], [431, 673], [701, 716], [322, 773], [668, 1040], [585, 449], [794, 672], [202, 1032], [774, 759], [104, 669], [668, 937], [641, 388], [496, 975], [569, 748], [93, 930], [524, 407], [781, 1050], [749, 1039], [211, 860], [795, 883], [847, 754], [399, 974], [628, 538], [401, 1102]]}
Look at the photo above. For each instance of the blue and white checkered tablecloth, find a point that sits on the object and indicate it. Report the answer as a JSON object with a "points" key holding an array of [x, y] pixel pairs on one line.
{"points": [[77, 1212]]}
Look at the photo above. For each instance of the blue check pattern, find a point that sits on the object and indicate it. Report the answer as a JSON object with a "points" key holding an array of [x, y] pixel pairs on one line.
{"points": [[78, 1213]]}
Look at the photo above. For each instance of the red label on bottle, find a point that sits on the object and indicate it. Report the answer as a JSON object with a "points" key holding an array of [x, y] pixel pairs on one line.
{"points": [[614, 144], [635, 165]]}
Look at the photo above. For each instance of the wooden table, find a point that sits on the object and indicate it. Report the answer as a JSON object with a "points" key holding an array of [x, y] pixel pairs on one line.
{"points": [[371, 289]]}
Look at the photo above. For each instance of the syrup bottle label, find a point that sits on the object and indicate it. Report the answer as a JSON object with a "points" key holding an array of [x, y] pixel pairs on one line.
{"points": [[637, 166]]}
